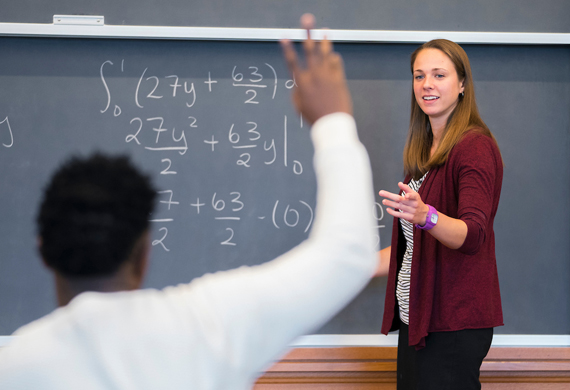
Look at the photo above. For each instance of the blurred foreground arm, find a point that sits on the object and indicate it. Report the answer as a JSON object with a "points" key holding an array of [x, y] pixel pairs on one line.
{"points": [[254, 313], [383, 262]]}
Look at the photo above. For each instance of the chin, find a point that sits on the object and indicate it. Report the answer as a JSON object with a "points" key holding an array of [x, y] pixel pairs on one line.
{"points": [[431, 112]]}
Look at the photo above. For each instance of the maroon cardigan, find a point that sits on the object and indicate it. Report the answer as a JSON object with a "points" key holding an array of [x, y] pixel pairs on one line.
{"points": [[453, 289]]}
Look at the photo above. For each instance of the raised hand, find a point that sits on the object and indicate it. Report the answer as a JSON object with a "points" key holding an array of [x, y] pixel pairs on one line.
{"points": [[321, 84]]}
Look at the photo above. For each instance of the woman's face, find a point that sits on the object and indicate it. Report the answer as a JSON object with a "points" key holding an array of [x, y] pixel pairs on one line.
{"points": [[436, 84]]}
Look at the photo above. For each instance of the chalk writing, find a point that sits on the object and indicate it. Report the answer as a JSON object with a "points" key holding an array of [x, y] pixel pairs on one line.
{"points": [[227, 120], [161, 240], [378, 214], [6, 129]]}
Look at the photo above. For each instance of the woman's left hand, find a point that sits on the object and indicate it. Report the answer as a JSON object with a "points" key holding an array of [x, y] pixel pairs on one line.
{"points": [[410, 205]]}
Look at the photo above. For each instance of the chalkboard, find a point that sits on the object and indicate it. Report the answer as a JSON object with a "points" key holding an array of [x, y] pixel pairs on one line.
{"points": [[415, 15], [213, 123]]}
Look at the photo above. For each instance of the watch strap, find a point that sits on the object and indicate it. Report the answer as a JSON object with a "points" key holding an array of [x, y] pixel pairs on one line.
{"points": [[431, 219]]}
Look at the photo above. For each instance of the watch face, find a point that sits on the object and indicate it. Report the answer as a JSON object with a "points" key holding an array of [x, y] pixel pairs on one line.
{"points": [[433, 218]]}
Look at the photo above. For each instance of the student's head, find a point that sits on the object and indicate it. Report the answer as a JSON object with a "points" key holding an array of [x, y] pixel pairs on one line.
{"points": [[447, 66], [93, 214]]}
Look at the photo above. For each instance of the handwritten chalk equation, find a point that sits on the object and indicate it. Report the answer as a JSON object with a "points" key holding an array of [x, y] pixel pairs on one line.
{"points": [[232, 117], [149, 86], [254, 82], [232, 208], [167, 138], [174, 142], [6, 134], [228, 209], [249, 143]]}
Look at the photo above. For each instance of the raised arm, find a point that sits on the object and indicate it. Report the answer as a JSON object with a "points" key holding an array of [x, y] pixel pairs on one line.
{"points": [[254, 313]]}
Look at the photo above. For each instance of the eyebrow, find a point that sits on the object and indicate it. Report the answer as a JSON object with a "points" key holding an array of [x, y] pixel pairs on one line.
{"points": [[434, 69]]}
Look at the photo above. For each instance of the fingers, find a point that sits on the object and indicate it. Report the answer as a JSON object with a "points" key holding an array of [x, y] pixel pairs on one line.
{"points": [[407, 205], [290, 56], [308, 23], [315, 51], [406, 188], [393, 200], [335, 62], [410, 195], [391, 196], [403, 206], [400, 214], [326, 46]]}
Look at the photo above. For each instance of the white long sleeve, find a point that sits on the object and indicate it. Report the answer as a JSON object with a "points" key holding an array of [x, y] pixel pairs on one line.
{"points": [[220, 330], [270, 305]]}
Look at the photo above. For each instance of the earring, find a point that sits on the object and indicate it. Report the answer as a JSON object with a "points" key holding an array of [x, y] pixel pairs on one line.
{"points": [[462, 94]]}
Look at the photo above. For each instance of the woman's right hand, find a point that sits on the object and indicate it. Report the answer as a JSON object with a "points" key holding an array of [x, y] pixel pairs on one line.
{"points": [[410, 206]]}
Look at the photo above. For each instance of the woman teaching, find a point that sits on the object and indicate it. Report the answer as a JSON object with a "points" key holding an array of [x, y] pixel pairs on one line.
{"points": [[443, 288]]}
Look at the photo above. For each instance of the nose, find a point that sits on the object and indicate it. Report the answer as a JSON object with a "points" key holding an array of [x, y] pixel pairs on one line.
{"points": [[428, 82]]}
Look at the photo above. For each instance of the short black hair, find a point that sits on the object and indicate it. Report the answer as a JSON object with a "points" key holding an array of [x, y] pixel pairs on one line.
{"points": [[93, 211]]}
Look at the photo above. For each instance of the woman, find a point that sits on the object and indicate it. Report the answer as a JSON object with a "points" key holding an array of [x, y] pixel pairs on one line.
{"points": [[443, 289]]}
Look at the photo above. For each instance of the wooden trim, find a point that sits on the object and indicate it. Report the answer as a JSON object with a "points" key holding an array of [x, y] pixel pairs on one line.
{"points": [[375, 367]]}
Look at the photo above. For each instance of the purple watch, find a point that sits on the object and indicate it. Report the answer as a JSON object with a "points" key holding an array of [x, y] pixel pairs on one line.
{"points": [[431, 218]]}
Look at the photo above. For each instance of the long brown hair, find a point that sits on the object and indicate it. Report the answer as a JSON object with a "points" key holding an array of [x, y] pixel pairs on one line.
{"points": [[465, 116]]}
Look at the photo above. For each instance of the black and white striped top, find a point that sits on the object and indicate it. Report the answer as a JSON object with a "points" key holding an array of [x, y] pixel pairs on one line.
{"points": [[403, 287]]}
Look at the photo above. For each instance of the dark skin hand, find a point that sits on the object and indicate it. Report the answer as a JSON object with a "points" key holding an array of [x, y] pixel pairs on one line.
{"points": [[321, 84]]}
